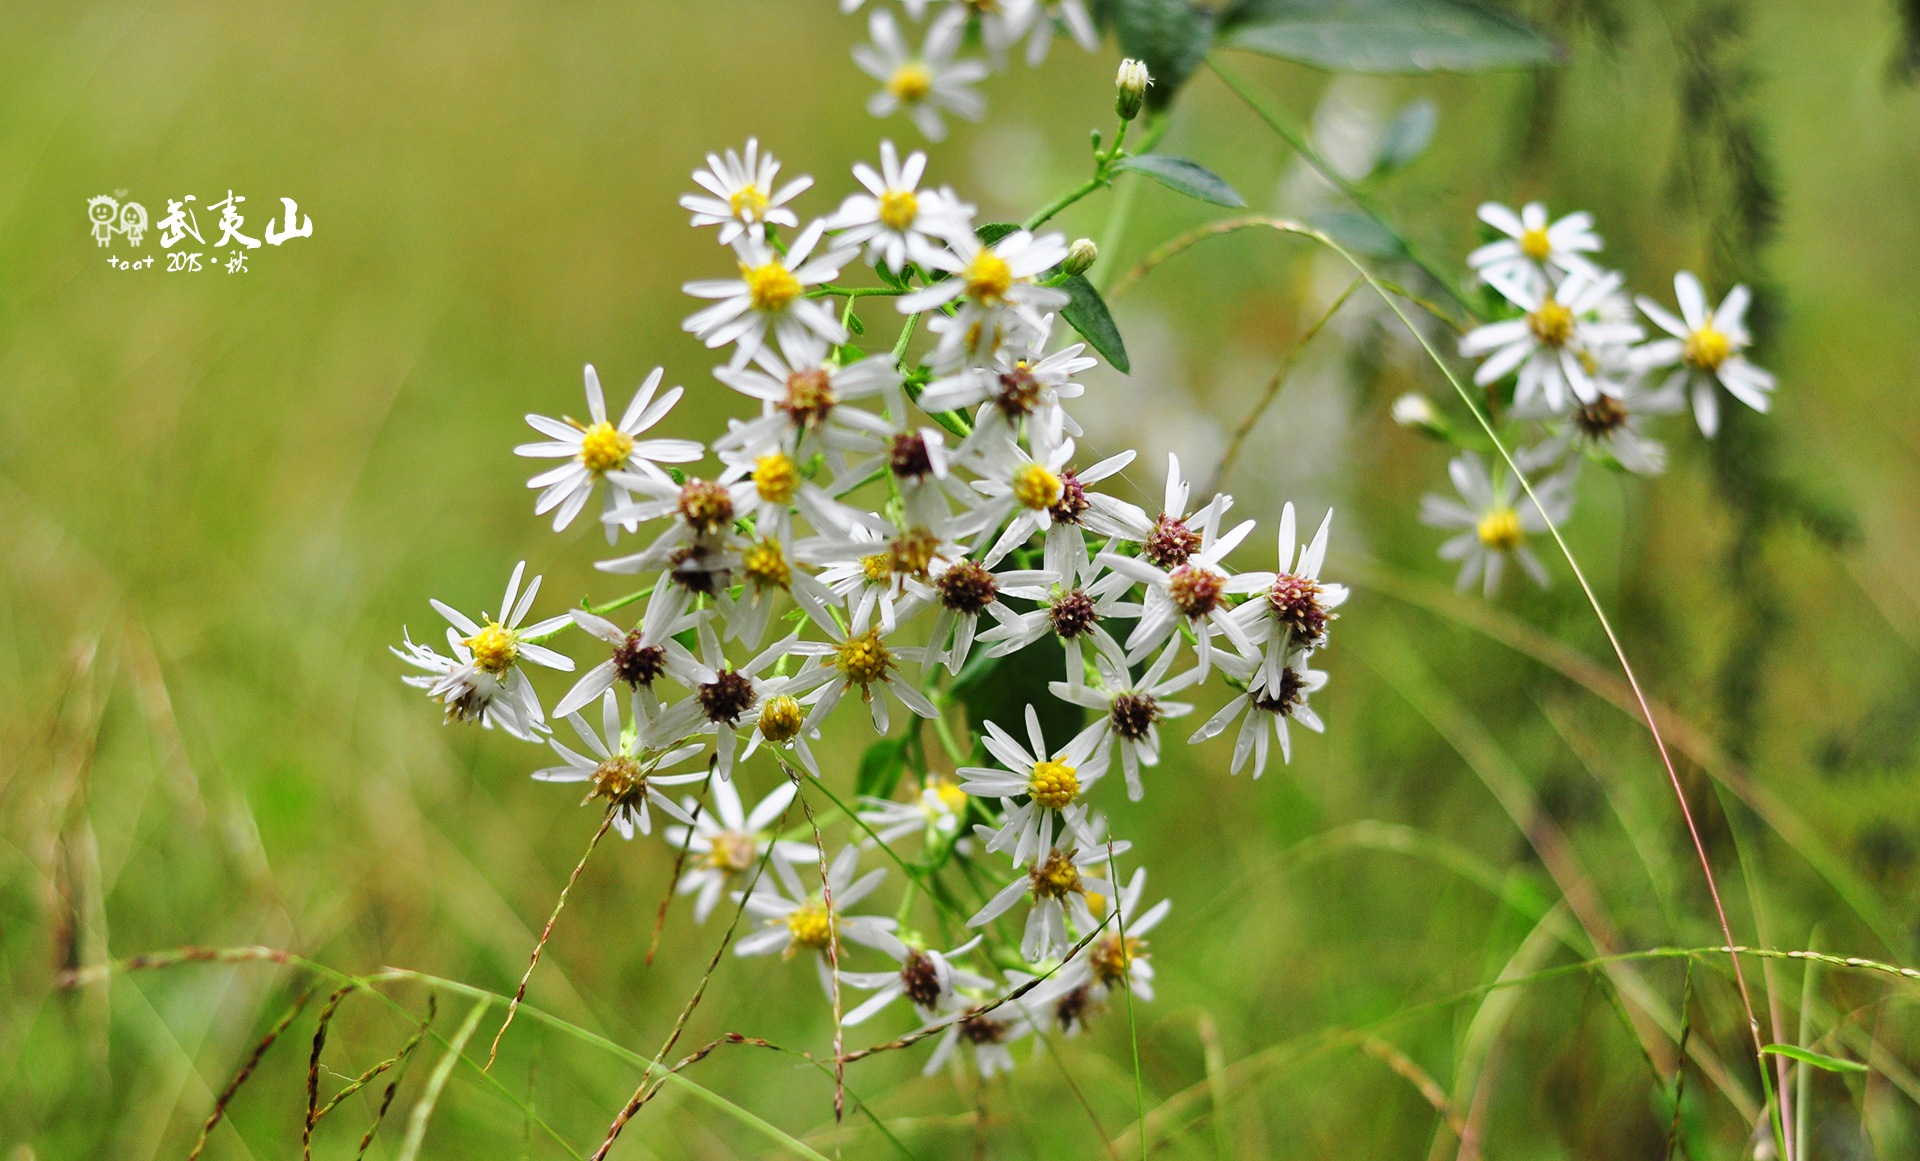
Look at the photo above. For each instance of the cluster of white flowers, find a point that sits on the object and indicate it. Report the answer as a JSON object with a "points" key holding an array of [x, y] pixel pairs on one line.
{"points": [[1580, 366], [930, 83], [904, 520]]}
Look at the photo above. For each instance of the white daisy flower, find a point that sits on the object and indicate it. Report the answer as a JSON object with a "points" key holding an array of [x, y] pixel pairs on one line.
{"points": [[1613, 425], [782, 720], [1707, 345], [999, 299], [743, 199], [628, 778], [728, 841], [862, 659], [1002, 23], [596, 449], [1071, 13], [1262, 703], [1020, 383], [1535, 252], [1111, 961], [800, 401], [640, 658], [1059, 885], [895, 219], [926, 978], [934, 812], [1498, 522], [1297, 607], [483, 679], [1072, 614], [1558, 345], [1193, 593], [989, 1033], [696, 549], [1175, 533], [1043, 495], [727, 695], [923, 83], [765, 572], [780, 488], [1055, 788], [770, 294], [869, 563], [1129, 709], [963, 589], [798, 920]]}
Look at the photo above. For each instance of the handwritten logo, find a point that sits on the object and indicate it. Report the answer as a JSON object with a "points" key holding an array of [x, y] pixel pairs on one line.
{"points": [[111, 215]]}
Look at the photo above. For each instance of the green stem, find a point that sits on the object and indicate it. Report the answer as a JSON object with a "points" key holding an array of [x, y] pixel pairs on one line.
{"points": [[852, 292], [1320, 165]]}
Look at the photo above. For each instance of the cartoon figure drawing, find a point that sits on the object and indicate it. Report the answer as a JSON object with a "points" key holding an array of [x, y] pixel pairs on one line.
{"points": [[231, 221], [103, 212], [178, 223], [133, 222], [305, 230]]}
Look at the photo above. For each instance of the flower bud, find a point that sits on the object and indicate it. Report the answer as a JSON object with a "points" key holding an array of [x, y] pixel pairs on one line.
{"points": [[1080, 257], [1417, 411], [1130, 88]]}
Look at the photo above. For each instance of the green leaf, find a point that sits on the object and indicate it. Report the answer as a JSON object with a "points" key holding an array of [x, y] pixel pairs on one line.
{"points": [[1088, 313], [1388, 36], [1171, 37], [1407, 135], [1359, 233], [880, 767], [1830, 1063], [991, 232], [1183, 176], [1020, 680]]}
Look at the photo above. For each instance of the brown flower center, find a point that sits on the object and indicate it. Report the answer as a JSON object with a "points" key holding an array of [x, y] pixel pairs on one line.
{"points": [[1170, 543]]}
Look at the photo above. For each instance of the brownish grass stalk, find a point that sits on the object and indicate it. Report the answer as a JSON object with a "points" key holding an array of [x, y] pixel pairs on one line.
{"points": [[246, 1070], [547, 933]]}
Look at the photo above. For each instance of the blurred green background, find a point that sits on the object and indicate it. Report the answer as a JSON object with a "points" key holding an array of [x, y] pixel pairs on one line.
{"points": [[222, 495]]}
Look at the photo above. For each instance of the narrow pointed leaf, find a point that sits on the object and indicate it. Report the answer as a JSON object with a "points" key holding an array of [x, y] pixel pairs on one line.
{"points": [[1087, 312], [1830, 1063], [1183, 176], [1387, 36]]}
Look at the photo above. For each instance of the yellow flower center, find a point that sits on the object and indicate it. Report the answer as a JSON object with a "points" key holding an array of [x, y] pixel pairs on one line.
{"points": [[495, 648], [951, 796], [1534, 245], [618, 779], [877, 567], [776, 477], [811, 924], [988, 278], [772, 286], [1054, 784], [863, 658], [911, 83], [706, 505], [912, 552], [767, 566], [604, 447], [1707, 348], [1036, 487], [1500, 530], [1112, 958], [732, 851], [1056, 878], [898, 209], [1552, 324], [748, 203], [780, 719]]}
